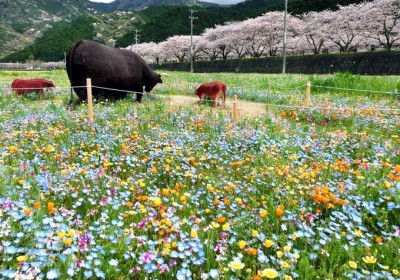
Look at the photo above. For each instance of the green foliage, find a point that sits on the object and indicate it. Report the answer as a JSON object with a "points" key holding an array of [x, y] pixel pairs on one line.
{"points": [[344, 82], [161, 22], [301, 6]]}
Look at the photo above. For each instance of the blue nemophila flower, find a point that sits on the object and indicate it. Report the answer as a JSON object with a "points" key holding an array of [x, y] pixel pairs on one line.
{"points": [[99, 274], [88, 273], [214, 273], [113, 262], [184, 274], [53, 274]]}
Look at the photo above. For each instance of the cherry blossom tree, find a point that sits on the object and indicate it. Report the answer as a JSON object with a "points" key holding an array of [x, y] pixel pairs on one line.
{"points": [[237, 37], [217, 41], [151, 52], [343, 27], [207, 48], [349, 28], [382, 21], [264, 34], [176, 47], [312, 32]]}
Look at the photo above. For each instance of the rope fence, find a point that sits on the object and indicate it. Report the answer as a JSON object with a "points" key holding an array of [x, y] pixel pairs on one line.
{"points": [[235, 102]]}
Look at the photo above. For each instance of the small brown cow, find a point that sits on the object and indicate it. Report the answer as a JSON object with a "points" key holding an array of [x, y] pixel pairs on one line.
{"points": [[21, 86], [215, 90]]}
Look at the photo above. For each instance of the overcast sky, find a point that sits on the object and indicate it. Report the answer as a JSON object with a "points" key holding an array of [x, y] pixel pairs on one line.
{"points": [[226, 2]]}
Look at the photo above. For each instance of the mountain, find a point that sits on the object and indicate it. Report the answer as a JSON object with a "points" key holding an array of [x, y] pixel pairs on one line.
{"points": [[129, 5], [24, 21], [44, 29]]}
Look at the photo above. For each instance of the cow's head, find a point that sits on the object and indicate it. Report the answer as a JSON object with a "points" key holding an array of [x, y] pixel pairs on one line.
{"points": [[151, 83], [50, 84]]}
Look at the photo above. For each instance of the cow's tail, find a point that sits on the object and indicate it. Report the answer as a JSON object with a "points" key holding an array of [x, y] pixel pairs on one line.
{"points": [[69, 68]]}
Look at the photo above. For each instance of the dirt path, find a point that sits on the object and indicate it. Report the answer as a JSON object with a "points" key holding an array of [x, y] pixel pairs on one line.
{"points": [[245, 108]]}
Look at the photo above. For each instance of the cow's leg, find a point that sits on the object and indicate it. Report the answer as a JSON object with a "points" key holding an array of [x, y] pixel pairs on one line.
{"points": [[139, 96], [215, 101], [41, 93], [80, 93], [201, 98]]}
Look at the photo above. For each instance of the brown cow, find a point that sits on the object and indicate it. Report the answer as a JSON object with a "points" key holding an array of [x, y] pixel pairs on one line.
{"points": [[21, 86], [215, 90]]}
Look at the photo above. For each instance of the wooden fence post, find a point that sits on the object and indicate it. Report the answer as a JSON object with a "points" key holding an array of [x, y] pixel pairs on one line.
{"points": [[89, 99], [308, 90], [235, 108]]}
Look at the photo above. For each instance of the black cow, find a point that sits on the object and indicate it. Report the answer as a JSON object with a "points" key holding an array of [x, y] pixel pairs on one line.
{"points": [[108, 68]]}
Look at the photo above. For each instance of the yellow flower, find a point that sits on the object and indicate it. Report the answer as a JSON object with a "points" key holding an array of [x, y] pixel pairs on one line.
{"points": [[288, 277], [166, 248], [254, 233], [12, 149], [287, 248], [21, 258], [154, 170], [269, 273], [225, 226], [353, 264], [279, 254], [157, 202], [141, 183], [68, 241], [284, 264], [215, 225], [236, 265], [369, 259], [49, 149], [242, 244], [193, 233], [387, 184], [239, 201], [395, 272], [61, 235], [268, 243], [358, 232], [263, 213]]}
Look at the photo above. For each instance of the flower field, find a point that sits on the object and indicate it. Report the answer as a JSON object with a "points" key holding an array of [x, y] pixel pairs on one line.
{"points": [[157, 191]]}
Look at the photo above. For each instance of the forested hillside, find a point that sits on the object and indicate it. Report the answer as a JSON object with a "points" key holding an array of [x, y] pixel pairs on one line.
{"points": [[157, 23], [54, 33], [57, 41]]}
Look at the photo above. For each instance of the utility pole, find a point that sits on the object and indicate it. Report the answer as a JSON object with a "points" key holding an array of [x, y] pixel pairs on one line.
{"points": [[191, 38], [137, 36], [284, 39]]}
